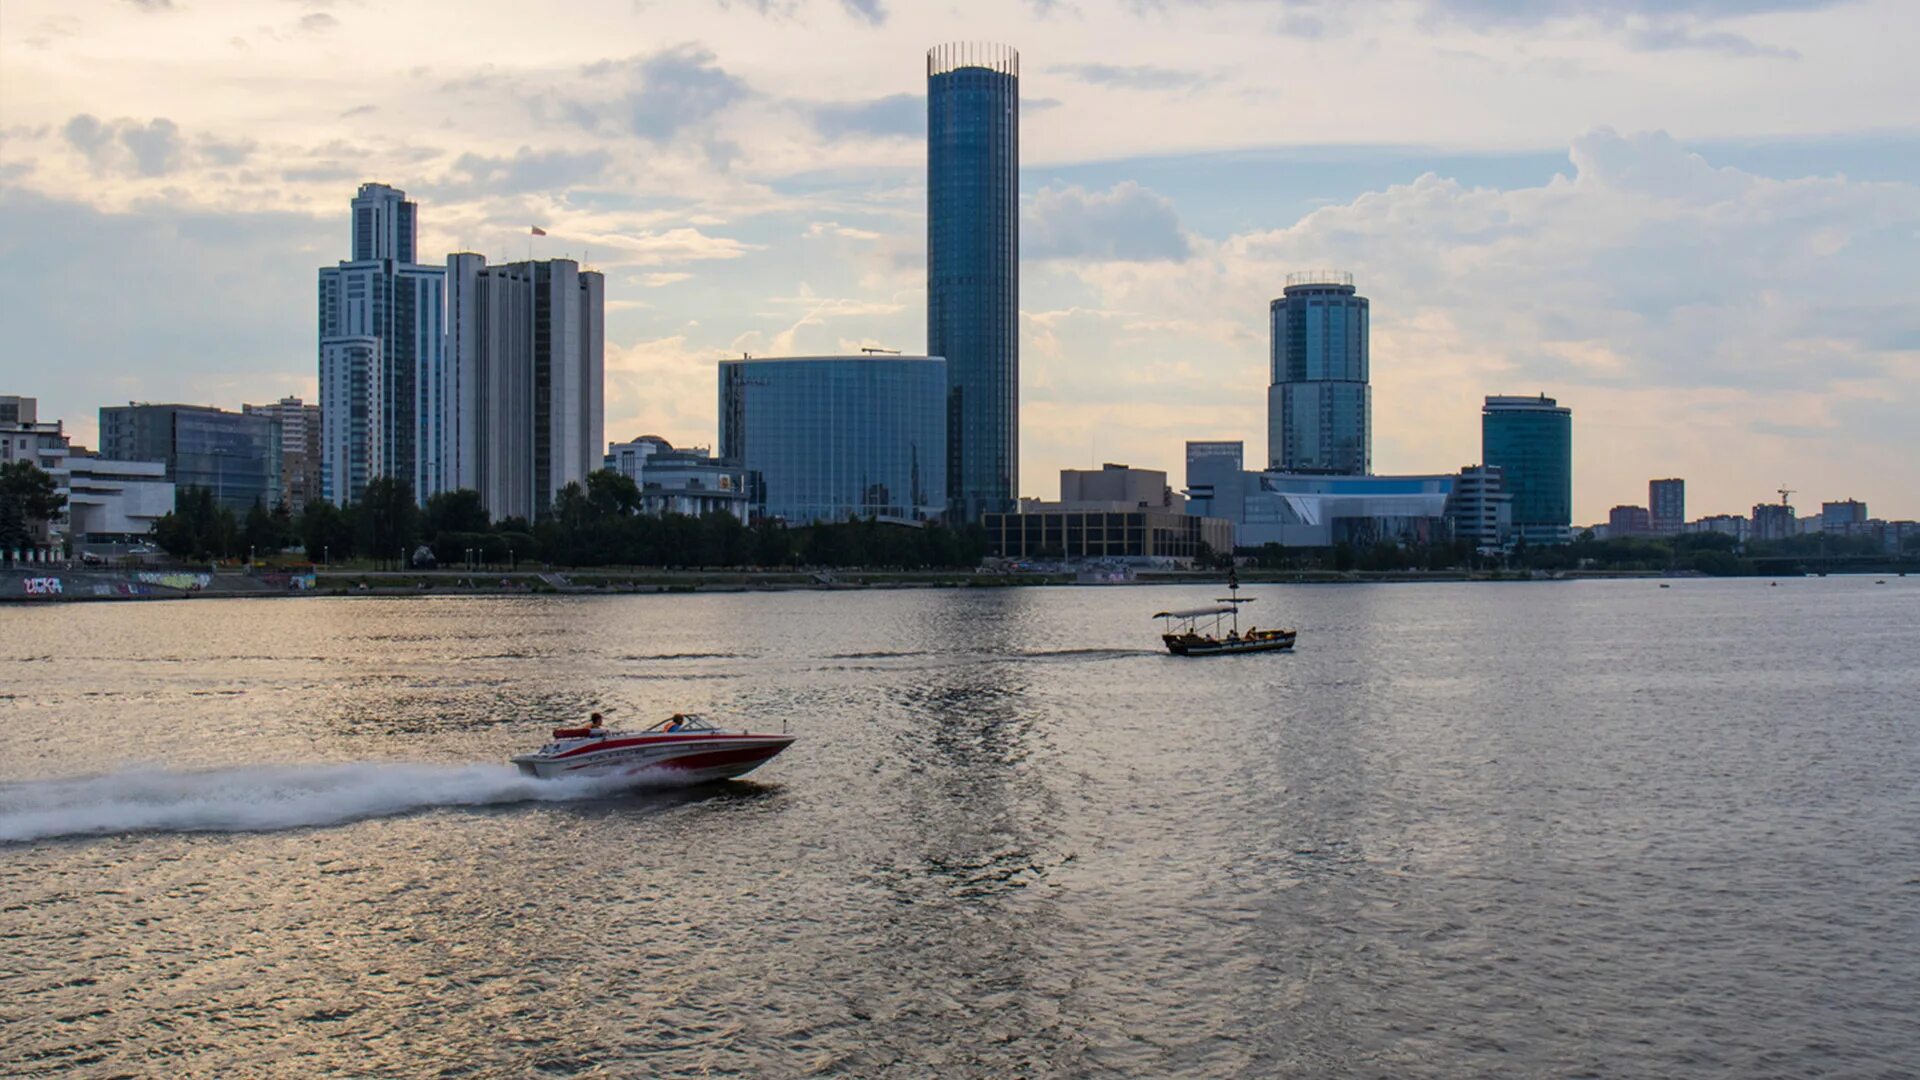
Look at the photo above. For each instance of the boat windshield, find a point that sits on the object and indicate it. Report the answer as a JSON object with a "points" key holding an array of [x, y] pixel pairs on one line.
{"points": [[683, 722]]}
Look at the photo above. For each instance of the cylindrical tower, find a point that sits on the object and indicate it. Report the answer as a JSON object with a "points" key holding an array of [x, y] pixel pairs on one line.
{"points": [[1319, 406], [973, 267]]}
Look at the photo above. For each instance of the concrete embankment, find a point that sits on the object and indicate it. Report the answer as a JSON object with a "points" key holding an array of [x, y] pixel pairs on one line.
{"points": [[53, 584]]}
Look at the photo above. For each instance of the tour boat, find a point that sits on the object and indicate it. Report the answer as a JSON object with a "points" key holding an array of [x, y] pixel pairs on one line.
{"points": [[1184, 637], [683, 749]]}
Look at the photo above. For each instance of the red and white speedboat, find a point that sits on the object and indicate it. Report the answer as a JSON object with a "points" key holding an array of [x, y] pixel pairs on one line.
{"points": [[684, 749]]}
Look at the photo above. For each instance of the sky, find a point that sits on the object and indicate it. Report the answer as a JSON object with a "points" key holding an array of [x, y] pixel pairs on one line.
{"points": [[1695, 222]]}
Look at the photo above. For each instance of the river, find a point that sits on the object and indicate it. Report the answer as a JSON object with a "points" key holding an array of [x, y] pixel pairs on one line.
{"points": [[1522, 829]]}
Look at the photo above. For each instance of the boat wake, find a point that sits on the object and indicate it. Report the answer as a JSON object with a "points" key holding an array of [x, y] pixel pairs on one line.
{"points": [[265, 798]]}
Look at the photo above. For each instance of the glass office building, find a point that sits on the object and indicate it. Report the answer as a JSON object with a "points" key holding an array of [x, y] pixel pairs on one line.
{"points": [[825, 438], [233, 455], [1531, 440], [973, 267], [1319, 411]]}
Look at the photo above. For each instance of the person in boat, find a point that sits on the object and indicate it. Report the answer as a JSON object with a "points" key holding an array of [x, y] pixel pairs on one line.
{"points": [[674, 722], [595, 725]]}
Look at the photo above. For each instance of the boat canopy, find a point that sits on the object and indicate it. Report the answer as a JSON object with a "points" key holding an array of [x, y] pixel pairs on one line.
{"points": [[1195, 613]]}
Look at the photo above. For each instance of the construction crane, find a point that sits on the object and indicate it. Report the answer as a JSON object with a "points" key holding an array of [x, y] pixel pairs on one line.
{"points": [[1784, 491]]}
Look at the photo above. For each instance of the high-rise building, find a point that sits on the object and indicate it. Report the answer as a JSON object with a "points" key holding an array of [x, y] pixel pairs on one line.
{"points": [[299, 449], [1836, 516], [384, 224], [1629, 521], [381, 294], [521, 405], [233, 455], [973, 267], [1319, 409], [825, 438], [1480, 507], [1667, 505], [1773, 521], [1531, 440]]}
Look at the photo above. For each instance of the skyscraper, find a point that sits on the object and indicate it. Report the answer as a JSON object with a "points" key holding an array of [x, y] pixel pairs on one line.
{"points": [[1319, 410], [522, 400], [1667, 505], [973, 267], [384, 224], [381, 294], [1531, 440]]}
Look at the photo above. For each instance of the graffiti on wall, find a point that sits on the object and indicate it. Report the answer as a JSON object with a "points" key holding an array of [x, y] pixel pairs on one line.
{"points": [[176, 579], [41, 586]]}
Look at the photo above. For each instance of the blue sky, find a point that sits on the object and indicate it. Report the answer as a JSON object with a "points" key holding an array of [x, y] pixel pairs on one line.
{"points": [[1695, 221]]}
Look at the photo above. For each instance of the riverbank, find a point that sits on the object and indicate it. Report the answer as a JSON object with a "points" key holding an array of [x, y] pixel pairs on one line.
{"points": [[56, 584]]}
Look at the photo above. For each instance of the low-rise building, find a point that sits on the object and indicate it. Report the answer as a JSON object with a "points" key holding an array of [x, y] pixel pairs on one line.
{"points": [[110, 502], [1314, 510], [1055, 532], [685, 480], [1481, 508], [1118, 487]]}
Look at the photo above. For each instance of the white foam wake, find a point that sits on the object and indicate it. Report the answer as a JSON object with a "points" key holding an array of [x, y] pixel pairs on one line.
{"points": [[263, 797]]}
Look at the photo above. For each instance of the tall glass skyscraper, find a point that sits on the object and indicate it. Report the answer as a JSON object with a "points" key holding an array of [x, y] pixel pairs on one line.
{"points": [[1319, 410], [973, 267], [825, 438], [1531, 440]]}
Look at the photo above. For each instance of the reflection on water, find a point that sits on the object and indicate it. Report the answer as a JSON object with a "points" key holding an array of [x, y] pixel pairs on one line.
{"points": [[1594, 829]]}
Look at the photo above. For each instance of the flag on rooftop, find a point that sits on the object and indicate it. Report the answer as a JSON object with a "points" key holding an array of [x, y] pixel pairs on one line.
{"points": [[538, 231]]}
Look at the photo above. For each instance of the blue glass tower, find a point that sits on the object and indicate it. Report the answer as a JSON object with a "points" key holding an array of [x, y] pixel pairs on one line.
{"points": [[1531, 439], [825, 438], [973, 268], [1319, 409]]}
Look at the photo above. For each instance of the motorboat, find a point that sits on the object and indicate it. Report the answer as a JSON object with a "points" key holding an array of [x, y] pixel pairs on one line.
{"points": [[1187, 633], [682, 748]]}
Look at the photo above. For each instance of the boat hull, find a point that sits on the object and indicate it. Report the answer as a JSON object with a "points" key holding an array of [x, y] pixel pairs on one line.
{"points": [[682, 759], [1183, 645]]}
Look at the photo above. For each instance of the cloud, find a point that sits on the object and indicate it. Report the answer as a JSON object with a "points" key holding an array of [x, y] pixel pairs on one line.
{"points": [[1673, 36], [896, 115], [1135, 77], [152, 5], [550, 171], [318, 22], [126, 146], [1128, 222], [870, 11], [1531, 12], [667, 93]]}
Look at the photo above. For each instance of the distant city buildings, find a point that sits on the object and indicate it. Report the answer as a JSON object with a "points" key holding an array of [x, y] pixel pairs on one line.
{"points": [[1530, 439], [1667, 505], [299, 449], [826, 438], [687, 480], [1481, 510], [973, 268], [1629, 521], [1319, 412], [382, 355], [522, 408], [234, 456], [1317, 510], [1772, 521], [1114, 512], [1116, 487], [1837, 516]]}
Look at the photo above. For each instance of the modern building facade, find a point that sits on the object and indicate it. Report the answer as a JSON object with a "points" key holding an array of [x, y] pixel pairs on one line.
{"points": [[115, 501], [684, 480], [1531, 440], [1059, 533], [1317, 510], [1629, 521], [826, 438], [522, 403], [392, 427], [233, 455], [1667, 505], [1481, 510], [973, 267], [1319, 408], [299, 449]]}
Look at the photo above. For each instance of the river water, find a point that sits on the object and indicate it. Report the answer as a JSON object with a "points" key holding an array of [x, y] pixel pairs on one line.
{"points": [[1567, 829]]}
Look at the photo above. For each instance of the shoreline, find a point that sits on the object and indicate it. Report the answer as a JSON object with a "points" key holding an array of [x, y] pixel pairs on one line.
{"points": [[37, 585]]}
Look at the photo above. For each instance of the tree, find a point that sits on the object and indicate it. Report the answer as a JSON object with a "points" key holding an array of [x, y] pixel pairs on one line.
{"points": [[327, 531], [388, 519], [29, 498], [457, 512], [198, 527], [613, 493]]}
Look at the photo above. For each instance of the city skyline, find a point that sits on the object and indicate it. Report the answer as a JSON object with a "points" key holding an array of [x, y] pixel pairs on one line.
{"points": [[1733, 317]]}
